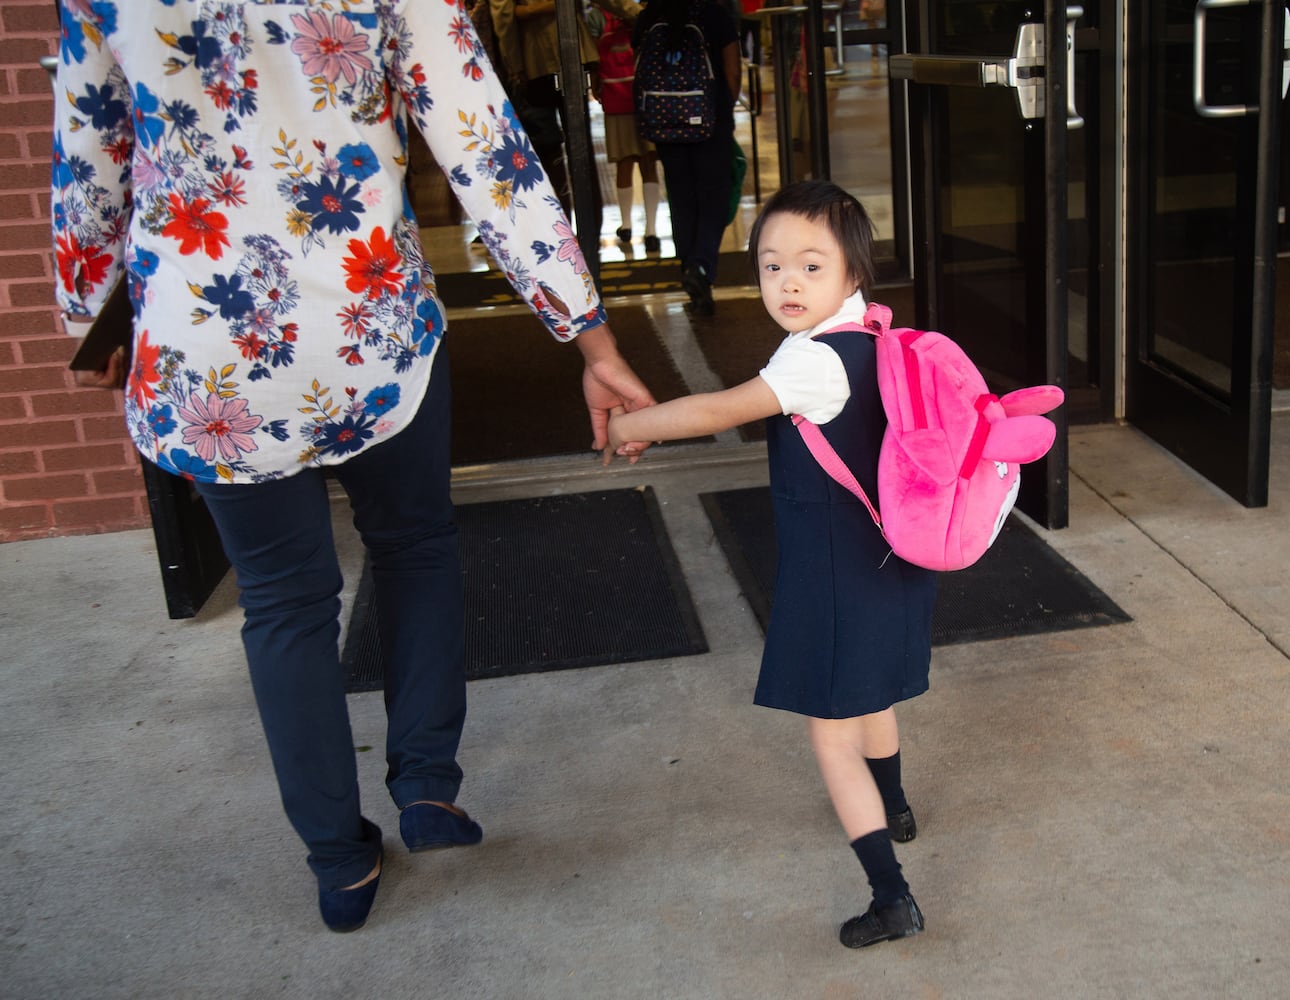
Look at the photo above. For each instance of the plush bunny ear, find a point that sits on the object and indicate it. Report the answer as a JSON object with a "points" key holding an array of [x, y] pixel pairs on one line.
{"points": [[877, 318], [1019, 439], [1035, 399]]}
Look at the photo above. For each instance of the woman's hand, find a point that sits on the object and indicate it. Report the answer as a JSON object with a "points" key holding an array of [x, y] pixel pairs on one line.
{"points": [[609, 383], [110, 376]]}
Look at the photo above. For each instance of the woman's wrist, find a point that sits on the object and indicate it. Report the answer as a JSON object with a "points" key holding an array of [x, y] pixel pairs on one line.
{"points": [[597, 344]]}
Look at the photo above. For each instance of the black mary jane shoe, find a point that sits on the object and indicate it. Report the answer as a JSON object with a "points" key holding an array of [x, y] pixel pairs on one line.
{"points": [[345, 910], [883, 923], [902, 827]]}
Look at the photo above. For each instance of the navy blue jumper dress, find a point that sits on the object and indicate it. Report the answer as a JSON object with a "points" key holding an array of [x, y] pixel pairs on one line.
{"points": [[850, 623]]}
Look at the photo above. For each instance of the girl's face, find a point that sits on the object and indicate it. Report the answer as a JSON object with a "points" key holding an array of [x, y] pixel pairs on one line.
{"points": [[802, 272]]}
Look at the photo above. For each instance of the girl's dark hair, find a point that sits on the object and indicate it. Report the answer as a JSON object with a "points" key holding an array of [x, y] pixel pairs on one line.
{"points": [[840, 211]]}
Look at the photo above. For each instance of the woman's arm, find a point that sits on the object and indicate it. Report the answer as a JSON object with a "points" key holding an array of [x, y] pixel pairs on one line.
{"points": [[693, 416]]}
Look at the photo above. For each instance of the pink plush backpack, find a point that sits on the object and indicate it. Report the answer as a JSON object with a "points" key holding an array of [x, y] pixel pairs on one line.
{"points": [[948, 468]]}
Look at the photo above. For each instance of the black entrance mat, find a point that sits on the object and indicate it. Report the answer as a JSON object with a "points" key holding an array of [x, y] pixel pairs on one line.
{"points": [[553, 583], [517, 393], [1019, 587]]}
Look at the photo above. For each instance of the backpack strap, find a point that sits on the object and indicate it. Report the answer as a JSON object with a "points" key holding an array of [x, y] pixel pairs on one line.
{"points": [[877, 320], [831, 462]]}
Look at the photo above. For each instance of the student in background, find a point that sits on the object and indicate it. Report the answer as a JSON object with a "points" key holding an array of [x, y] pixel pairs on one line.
{"points": [[624, 146], [698, 174]]}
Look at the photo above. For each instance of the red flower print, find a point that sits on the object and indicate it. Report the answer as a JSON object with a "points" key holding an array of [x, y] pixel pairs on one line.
{"points": [[221, 95], [143, 371], [354, 319], [120, 150], [250, 344], [196, 227], [374, 267], [460, 33], [228, 189], [81, 267], [350, 352]]}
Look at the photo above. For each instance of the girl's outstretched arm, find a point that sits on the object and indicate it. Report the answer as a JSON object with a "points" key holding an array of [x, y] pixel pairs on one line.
{"points": [[693, 416]]}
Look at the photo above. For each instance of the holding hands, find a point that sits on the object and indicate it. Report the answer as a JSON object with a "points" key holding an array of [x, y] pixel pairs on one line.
{"points": [[610, 386]]}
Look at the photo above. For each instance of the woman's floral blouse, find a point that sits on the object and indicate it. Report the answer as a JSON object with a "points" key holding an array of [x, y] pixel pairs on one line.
{"points": [[245, 163]]}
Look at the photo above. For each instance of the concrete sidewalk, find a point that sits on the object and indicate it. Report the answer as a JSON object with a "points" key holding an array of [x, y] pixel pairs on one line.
{"points": [[1103, 812]]}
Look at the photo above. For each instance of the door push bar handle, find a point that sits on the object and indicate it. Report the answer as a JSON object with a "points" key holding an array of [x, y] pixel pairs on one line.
{"points": [[1023, 71], [1204, 109]]}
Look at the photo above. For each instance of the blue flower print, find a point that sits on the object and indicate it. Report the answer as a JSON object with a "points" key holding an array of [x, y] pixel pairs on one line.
{"points": [[517, 163], [381, 401], [139, 268], [205, 49], [183, 114], [145, 262], [161, 420], [148, 125], [431, 323], [508, 112], [358, 161], [183, 463], [332, 205], [349, 435], [62, 171], [228, 294], [104, 15], [102, 105], [101, 14], [73, 42]]}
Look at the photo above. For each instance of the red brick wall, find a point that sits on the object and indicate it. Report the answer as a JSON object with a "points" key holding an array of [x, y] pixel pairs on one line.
{"points": [[66, 463]]}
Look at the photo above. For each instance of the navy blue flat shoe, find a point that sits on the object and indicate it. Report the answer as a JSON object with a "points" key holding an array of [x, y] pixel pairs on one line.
{"points": [[345, 910], [428, 826]]}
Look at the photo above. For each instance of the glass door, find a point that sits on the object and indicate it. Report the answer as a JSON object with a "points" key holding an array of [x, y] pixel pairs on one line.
{"points": [[991, 118], [1204, 109]]}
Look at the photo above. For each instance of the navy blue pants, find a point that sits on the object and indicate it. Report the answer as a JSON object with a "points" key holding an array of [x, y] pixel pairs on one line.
{"points": [[278, 536], [699, 176]]}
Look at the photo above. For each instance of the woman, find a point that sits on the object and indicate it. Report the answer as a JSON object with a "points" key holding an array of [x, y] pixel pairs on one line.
{"points": [[244, 163]]}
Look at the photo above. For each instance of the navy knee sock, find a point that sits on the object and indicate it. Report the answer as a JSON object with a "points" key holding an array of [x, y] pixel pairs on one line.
{"points": [[886, 774], [881, 867]]}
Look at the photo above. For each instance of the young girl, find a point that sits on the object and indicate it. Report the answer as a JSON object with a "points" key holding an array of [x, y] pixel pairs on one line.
{"points": [[850, 626]]}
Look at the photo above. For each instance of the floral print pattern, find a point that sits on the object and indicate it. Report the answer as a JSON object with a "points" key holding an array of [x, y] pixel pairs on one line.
{"points": [[285, 314]]}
